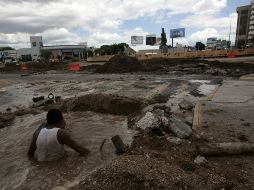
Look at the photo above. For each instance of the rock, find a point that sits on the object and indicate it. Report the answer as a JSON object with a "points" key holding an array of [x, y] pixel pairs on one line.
{"points": [[174, 140], [149, 120], [179, 128], [166, 109], [200, 160], [164, 121], [37, 99], [186, 105], [158, 112], [119, 145], [188, 119]]}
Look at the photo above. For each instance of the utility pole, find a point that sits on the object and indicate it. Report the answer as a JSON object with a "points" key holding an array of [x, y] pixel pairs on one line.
{"points": [[230, 27]]}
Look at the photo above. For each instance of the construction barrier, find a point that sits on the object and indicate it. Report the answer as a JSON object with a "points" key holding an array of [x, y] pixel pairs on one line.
{"points": [[74, 67], [231, 55], [23, 67]]}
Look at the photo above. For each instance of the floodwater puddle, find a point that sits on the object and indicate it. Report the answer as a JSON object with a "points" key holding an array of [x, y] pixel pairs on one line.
{"points": [[204, 88], [88, 129]]}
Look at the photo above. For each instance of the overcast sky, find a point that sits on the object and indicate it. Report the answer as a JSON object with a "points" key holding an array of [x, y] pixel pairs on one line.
{"points": [[113, 21]]}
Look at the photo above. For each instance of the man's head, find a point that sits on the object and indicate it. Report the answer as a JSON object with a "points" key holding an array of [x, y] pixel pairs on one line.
{"points": [[55, 118]]}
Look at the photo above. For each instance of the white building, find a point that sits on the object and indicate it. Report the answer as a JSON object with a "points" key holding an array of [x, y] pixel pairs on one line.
{"points": [[8, 56], [32, 53], [61, 52], [217, 44], [211, 43]]}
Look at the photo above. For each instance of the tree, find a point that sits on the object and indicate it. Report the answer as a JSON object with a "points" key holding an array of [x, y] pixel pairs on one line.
{"points": [[163, 38], [6, 48], [200, 46], [112, 49]]}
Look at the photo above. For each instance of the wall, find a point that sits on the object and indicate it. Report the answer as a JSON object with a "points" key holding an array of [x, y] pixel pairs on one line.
{"points": [[194, 54]]}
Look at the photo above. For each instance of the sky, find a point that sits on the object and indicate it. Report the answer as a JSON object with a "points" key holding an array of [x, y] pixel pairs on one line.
{"points": [[103, 22]]}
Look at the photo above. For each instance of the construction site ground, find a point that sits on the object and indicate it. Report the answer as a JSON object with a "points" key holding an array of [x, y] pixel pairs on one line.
{"points": [[98, 106]]}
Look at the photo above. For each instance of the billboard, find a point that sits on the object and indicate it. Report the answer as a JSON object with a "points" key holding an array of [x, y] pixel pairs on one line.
{"points": [[137, 40], [158, 41], [177, 33], [151, 39]]}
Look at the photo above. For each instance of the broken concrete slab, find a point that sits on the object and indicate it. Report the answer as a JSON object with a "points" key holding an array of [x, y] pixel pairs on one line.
{"points": [[119, 145], [149, 120], [179, 128], [186, 105]]}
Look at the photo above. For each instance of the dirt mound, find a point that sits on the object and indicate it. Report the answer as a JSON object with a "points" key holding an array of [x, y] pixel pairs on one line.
{"points": [[121, 64], [198, 66], [155, 163], [6, 119], [103, 103]]}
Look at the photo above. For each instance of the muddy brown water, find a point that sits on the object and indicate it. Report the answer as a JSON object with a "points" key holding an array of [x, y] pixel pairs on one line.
{"points": [[88, 128]]}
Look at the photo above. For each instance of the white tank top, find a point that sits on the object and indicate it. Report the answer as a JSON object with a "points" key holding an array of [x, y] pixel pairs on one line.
{"points": [[47, 146]]}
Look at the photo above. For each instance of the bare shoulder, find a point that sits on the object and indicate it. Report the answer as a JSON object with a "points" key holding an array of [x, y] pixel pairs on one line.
{"points": [[62, 135]]}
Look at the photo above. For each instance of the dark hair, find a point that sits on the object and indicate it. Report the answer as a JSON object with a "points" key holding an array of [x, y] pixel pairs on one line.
{"points": [[54, 116]]}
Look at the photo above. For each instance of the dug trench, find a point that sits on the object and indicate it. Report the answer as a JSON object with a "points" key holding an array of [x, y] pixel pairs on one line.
{"points": [[158, 159], [92, 119]]}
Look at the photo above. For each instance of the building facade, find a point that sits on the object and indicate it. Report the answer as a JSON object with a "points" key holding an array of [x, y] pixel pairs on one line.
{"points": [[245, 26], [8, 56], [217, 44], [250, 42], [211, 43], [60, 52]]}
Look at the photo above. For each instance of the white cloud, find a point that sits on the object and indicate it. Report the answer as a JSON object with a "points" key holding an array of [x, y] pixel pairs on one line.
{"points": [[59, 36], [207, 21], [57, 20], [209, 6], [202, 35]]}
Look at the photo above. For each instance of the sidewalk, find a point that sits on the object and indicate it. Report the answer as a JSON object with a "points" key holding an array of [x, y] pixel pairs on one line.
{"points": [[229, 115]]}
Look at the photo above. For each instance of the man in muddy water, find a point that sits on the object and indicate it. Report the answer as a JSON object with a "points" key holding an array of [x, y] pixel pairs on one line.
{"points": [[49, 139]]}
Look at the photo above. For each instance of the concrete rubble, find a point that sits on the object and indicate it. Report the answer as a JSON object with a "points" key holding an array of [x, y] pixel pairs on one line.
{"points": [[200, 160], [179, 128], [186, 105]]}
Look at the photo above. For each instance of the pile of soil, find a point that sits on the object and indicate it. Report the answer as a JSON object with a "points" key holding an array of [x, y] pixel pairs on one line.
{"points": [[155, 163], [198, 66], [125, 64], [6, 119], [104, 103], [120, 64]]}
